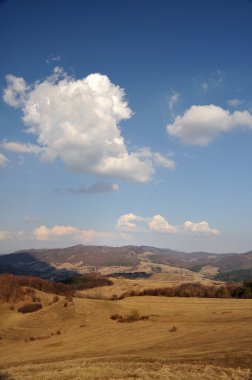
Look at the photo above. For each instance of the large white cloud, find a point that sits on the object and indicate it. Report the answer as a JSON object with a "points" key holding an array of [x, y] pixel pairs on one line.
{"points": [[3, 161], [78, 121], [134, 223], [201, 124]]}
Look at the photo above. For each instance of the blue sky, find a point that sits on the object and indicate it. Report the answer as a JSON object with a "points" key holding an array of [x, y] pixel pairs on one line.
{"points": [[126, 122]]}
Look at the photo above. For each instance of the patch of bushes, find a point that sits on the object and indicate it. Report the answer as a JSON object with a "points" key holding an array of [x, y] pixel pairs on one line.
{"points": [[87, 281], [30, 308], [235, 275], [134, 316], [243, 290], [16, 288]]}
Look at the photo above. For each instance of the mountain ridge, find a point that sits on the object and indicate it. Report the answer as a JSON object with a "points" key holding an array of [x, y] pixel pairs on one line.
{"points": [[57, 263]]}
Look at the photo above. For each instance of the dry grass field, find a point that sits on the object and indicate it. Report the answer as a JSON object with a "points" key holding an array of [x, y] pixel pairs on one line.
{"points": [[171, 277], [184, 338]]}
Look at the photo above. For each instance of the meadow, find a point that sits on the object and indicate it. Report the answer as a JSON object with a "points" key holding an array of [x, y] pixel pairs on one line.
{"points": [[182, 338]]}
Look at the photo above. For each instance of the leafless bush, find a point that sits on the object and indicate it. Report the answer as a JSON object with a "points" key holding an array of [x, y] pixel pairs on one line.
{"points": [[55, 299], [30, 308], [173, 329], [128, 318]]}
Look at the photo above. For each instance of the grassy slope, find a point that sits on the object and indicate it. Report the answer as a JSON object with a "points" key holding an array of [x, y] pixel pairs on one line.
{"points": [[213, 331], [175, 277]]}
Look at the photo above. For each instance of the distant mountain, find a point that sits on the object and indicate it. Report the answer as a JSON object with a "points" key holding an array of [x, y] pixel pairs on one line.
{"points": [[65, 262]]}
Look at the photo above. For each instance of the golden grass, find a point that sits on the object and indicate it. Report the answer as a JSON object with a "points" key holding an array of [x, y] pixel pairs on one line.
{"points": [[84, 370], [212, 339]]}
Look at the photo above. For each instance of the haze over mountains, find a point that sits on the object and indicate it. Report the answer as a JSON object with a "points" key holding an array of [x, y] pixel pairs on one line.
{"points": [[56, 264]]}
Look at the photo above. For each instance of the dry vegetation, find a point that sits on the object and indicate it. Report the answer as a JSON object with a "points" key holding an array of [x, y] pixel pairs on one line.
{"points": [[87, 370], [182, 338], [243, 290]]}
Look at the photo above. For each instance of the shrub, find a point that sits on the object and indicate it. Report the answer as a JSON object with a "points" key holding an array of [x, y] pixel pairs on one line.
{"points": [[173, 329], [30, 308], [115, 317], [55, 299], [128, 318]]}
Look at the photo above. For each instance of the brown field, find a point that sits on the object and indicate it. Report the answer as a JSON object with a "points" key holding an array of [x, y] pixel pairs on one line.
{"points": [[212, 339]]}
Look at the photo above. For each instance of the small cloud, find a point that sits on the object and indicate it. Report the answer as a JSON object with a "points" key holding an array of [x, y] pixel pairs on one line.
{"points": [[18, 147], [30, 219], [214, 82], [128, 223], [7, 235], [201, 124], [96, 188], [234, 102], [204, 86], [160, 224], [199, 228], [58, 232], [52, 59], [172, 100], [3, 161], [45, 233]]}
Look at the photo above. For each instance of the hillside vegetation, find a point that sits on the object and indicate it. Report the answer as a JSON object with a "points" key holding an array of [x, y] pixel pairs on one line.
{"points": [[16, 288]]}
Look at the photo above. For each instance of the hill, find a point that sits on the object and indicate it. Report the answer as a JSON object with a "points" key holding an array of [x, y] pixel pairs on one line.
{"points": [[57, 264], [182, 338]]}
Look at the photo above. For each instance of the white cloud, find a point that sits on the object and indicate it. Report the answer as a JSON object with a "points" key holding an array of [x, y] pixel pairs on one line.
{"points": [[201, 227], [31, 219], [45, 233], [7, 235], [214, 82], [201, 124], [18, 147], [3, 161], [160, 224], [234, 102], [134, 223], [98, 187], [172, 100], [15, 94], [204, 86], [156, 157], [78, 121], [73, 234], [128, 222]]}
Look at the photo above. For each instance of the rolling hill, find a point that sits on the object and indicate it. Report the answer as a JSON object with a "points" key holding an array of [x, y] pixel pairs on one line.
{"points": [[143, 261]]}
